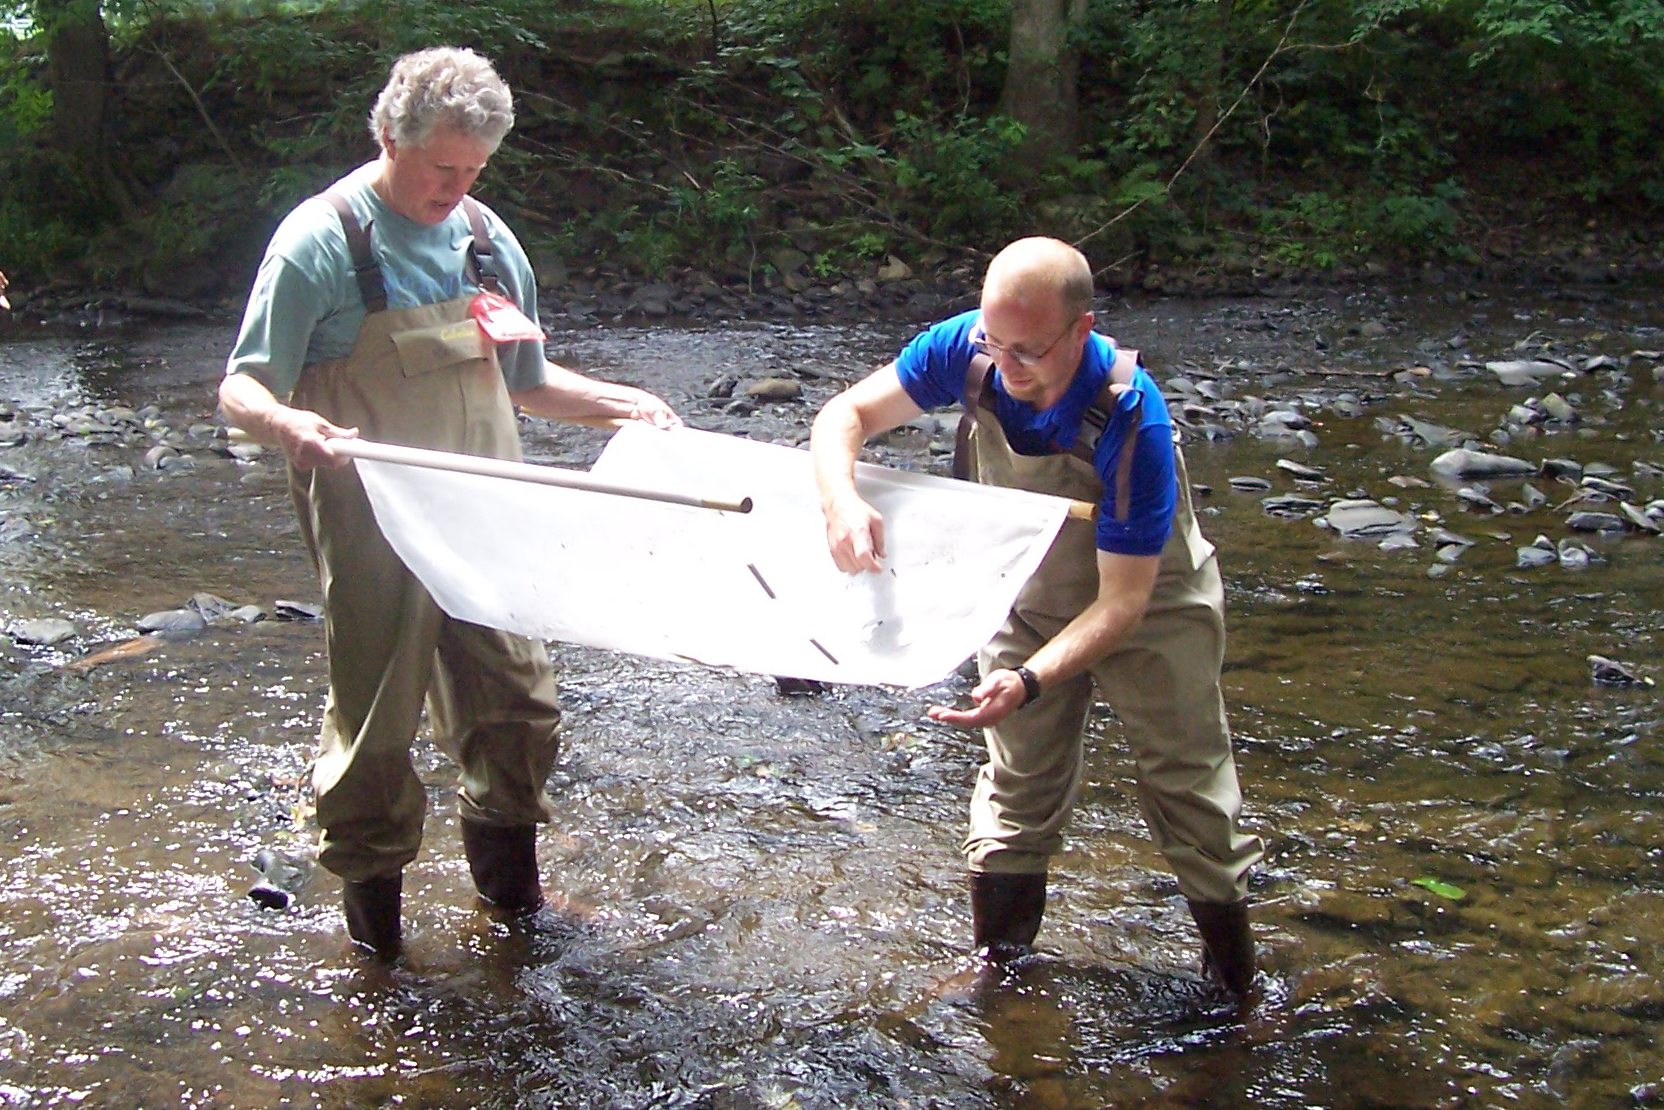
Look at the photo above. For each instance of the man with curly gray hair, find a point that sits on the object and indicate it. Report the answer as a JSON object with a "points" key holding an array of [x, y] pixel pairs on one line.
{"points": [[397, 305]]}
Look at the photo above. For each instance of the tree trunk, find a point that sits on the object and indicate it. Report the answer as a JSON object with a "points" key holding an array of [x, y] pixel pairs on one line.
{"points": [[1040, 78], [78, 69]]}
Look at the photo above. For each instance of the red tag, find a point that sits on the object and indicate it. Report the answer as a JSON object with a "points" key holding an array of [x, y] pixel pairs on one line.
{"points": [[501, 319]]}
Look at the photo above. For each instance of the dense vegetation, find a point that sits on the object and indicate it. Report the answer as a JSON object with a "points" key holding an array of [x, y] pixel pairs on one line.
{"points": [[749, 139]]}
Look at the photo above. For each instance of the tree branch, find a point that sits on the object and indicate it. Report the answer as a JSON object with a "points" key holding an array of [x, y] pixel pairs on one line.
{"points": [[1281, 48]]}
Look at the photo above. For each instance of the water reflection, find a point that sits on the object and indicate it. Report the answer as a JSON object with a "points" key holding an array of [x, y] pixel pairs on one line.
{"points": [[759, 898]]}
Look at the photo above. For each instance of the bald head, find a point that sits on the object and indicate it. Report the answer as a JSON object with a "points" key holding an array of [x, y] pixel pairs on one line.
{"points": [[1040, 272]]}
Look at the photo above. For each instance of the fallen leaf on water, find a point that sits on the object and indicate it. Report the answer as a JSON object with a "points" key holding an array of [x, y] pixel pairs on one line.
{"points": [[1440, 887]]}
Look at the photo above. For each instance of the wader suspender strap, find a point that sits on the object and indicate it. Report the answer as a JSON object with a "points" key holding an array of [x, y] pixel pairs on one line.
{"points": [[368, 274], [1093, 422], [482, 269], [364, 267]]}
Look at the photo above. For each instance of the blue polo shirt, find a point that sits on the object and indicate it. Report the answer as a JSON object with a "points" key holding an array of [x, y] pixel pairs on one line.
{"points": [[932, 371]]}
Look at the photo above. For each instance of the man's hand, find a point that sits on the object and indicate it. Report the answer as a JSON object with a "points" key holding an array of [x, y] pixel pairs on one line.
{"points": [[854, 534], [995, 698]]}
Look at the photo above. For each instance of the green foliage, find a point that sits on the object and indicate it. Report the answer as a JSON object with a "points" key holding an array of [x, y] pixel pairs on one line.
{"points": [[166, 248], [951, 174], [34, 244], [666, 133], [1320, 230]]}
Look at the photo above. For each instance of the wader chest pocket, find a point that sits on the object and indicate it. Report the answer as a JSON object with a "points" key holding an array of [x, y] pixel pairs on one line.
{"points": [[439, 346]]}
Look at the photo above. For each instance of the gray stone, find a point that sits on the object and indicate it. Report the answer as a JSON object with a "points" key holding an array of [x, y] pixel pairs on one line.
{"points": [[1558, 408], [1595, 522], [157, 457], [1301, 472], [1462, 463], [1526, 371], [175, 621], [1290, 506], [1361, 518], [46, 632], [775, 389], [1610, 672], [1572, 556], [1639, 520]]}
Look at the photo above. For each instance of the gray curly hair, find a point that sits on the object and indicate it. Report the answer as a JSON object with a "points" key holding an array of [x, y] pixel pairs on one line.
{"points": [[446, 86]]}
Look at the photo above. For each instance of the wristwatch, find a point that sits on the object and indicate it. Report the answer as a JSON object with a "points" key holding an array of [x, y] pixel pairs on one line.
{"points": [[1031, 685]]}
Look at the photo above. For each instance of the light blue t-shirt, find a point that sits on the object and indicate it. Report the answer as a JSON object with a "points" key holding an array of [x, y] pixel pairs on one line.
{"points": [[305, 306], [932, 371]]}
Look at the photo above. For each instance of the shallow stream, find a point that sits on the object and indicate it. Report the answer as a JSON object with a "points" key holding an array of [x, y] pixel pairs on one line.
{"points": [[761, 902]]}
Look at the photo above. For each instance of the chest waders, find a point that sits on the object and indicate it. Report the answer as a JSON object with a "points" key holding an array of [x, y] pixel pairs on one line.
{"points": [[416, 377], [1162, 682]]}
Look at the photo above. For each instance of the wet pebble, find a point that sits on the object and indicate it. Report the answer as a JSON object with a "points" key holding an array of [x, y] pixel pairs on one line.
{"points": [[1526, 371], [1301, 472], [1363, 518], [1290, 506], [1478, 499], [173, 622], [774, 389], [1572, 556], [1643, 520], [1595, 522], [1538, 553], [1462, 463], [45, 632], [1605, 489], [1559, 409], [1610, 672], [282, 876], [297, 610]]}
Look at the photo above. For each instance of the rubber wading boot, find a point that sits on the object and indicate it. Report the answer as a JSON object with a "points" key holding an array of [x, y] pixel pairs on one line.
{"points": [[503, 861], [1227, 944], [372, 908], [1005, 913]]}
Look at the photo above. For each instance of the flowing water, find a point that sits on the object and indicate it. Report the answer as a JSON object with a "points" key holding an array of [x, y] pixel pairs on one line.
{"points": [[760, 902]]}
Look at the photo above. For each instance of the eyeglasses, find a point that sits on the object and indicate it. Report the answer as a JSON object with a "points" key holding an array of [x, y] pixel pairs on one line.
{"points": [[994, 350]]}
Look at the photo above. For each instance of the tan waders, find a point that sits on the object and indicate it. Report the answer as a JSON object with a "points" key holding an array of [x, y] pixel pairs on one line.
{"points": [[1163, 684], [417, 377]]}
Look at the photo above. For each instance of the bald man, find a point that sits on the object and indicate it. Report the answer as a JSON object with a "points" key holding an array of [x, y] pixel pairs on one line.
{"points": [[1130, 603]]}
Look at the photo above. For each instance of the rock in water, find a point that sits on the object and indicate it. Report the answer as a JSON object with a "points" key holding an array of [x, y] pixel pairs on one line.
{"points": [[1462, 463], [1609, 672]]}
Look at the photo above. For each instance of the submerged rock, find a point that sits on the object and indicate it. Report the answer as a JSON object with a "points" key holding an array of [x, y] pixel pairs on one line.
{"points": [[1610, 672], [1595, 522], [1462, 463], [45, 632], [297, 610], [1538, 553], [173, 623], [281, 878], [1362, 519], [1526, 371]]}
